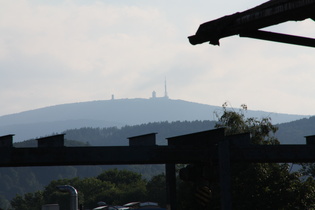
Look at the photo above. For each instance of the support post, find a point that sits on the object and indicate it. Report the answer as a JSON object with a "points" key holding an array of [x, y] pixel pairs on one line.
{"points": [[170, 186], [225, 174], [6, 141]]}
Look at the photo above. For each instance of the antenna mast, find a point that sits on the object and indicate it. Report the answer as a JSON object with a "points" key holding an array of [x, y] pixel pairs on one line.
{"points": [[165, 89]]}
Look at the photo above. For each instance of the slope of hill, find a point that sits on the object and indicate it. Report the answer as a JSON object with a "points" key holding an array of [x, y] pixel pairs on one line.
{"points": [[295, 132], [288, 133], [119, 136], [108, 113]]}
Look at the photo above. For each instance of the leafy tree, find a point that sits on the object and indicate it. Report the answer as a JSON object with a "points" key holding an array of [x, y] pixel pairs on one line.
{"points": [[263, 185], [130, 184], [51, 194], [120, 177], [156, 189], [91, 188], [4, 203], [262, 131], [113, 187], [30, 201]]}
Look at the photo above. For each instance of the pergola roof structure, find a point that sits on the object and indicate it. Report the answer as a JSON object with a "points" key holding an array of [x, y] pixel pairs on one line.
{"points": [[249, 23]]}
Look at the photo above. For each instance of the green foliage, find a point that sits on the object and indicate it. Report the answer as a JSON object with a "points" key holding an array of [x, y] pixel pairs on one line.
{"points": [[30, 201], [265, 185], [4, 203], [129, 186], [115, 187], [268, 186], [156, 189], [262, 131], [15, 180], [120, 177], [88, 191]]}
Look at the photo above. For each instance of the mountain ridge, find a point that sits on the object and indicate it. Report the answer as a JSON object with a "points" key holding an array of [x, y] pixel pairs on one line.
{"points": [[115, 112]]}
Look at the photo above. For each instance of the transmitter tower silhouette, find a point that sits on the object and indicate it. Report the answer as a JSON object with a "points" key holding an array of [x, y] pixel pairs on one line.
{"points": [[165, 89]]}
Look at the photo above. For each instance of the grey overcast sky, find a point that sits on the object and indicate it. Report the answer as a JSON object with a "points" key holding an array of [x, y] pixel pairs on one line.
{"points": [[63, 51]]}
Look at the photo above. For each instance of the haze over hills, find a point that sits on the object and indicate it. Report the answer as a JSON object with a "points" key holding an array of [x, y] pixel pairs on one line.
{"points": [[115, 112]]}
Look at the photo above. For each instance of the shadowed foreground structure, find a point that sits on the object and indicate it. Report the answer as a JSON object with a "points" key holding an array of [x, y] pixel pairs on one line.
{"points": [[207, 148], [249, 23]]}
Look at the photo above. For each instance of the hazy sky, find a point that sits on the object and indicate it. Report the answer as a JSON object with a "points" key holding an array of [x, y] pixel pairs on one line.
{"points": [[63, 51]]}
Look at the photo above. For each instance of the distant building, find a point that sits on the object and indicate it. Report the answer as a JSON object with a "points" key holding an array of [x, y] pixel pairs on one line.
{"points": [[113, 97], [153, 94], [165, 92]]}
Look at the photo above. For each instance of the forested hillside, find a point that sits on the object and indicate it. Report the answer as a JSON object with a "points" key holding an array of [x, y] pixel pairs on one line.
{"points": [[114, 136], [295, 132], [288, 133]]}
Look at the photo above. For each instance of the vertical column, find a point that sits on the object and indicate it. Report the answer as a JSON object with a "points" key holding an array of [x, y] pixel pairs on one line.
{"points": [[170, 186], [6, 141], [310, 140], [225, 174]]}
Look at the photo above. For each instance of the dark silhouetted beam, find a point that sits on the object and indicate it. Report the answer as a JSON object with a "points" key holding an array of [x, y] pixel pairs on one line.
{"points": [[270, 13], [122, 155], [151, 155], [278, 37], [274, 154]]}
